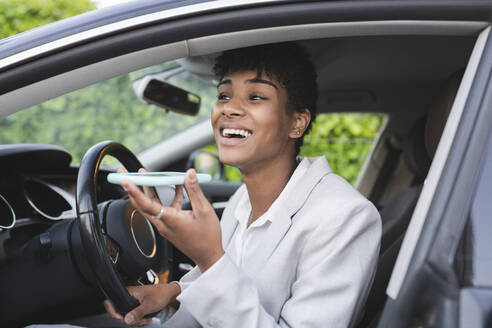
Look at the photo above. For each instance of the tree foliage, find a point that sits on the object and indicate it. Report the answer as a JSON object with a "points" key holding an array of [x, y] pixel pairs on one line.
{"points": [[20, 15], [345, 140], [108, 110]]}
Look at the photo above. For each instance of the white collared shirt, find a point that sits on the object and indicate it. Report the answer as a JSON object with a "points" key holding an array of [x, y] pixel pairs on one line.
{"points": [[246, 238]]}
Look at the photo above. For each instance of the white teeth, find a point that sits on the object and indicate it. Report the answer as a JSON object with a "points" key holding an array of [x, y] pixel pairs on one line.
{"points": [[241, 132]]}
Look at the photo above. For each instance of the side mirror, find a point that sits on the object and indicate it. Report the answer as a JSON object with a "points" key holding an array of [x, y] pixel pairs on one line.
{"points": [[157, 92], [205, 162]]}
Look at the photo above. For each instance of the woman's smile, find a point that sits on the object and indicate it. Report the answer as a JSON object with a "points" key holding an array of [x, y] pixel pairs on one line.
{"points": [[233, 135]]}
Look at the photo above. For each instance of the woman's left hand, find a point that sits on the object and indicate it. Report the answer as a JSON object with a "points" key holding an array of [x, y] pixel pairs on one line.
{"points": [[196, 233]]}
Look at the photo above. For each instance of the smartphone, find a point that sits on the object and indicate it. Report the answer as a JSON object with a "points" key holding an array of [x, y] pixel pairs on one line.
{"points": [[155, 178]]}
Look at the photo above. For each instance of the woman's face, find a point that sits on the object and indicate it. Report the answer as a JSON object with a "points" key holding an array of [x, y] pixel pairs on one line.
{"points": [[250, 121]]}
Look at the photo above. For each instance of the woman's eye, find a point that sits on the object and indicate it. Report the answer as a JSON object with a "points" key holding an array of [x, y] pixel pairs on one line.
{"points": [[256, 97], [222, 96]]}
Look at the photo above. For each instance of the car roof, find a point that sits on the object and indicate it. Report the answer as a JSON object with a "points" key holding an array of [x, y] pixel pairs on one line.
{"points": [[116, 18]]}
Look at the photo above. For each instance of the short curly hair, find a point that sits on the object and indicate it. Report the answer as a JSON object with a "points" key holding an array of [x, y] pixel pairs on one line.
{"points": [[286, 62]]}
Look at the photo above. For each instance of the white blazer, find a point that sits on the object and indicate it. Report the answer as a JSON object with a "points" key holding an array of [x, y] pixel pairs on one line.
{"points": [[315, 267]]}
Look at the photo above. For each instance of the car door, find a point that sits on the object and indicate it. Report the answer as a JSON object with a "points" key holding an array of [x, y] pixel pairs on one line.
{"points": [[442, 277]]}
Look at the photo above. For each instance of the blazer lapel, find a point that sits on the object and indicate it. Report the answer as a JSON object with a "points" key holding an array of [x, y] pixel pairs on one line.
{"points": [[282, 219], [228, 223], [228, 226], [317, 170]]}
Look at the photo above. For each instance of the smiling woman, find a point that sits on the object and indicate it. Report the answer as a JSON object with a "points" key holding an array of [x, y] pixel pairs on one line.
{"points": [[295, 235], [266, 120]]}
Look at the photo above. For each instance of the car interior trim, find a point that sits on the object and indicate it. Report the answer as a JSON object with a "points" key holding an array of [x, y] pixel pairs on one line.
{"points": [[152, 234], [418, 218], [203, 45], [84, 76], [9, 207]]}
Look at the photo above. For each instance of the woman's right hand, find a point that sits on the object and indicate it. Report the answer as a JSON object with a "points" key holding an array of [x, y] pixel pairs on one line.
{"points": [[152, 298]]}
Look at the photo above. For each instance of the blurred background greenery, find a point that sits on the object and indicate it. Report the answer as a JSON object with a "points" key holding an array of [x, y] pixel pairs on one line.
{"points": [[110, 109], [21, 15]]}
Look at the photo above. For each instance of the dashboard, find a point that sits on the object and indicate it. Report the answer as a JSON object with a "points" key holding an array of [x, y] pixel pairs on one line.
{"points": [[37, 189], [38, 268]]}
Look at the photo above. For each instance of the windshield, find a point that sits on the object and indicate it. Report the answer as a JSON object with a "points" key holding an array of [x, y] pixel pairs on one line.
{"points": [[108, 110]]}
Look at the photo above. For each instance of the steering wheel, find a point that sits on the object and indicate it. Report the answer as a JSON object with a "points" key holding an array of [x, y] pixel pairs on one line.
{"points": [[120, 244]]}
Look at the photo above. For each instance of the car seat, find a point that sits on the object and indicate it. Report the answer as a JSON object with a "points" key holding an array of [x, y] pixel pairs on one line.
{"points": [[418, 151]]}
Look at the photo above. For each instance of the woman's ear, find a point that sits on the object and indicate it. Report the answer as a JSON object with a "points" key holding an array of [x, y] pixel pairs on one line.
{"points": [[300, 124]]}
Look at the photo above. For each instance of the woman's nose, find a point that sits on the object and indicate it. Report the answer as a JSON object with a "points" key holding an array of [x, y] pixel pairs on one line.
{"points": [[232, 108]]}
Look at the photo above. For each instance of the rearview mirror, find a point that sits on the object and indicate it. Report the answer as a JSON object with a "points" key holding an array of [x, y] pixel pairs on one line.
{"points": [[168, 96]]}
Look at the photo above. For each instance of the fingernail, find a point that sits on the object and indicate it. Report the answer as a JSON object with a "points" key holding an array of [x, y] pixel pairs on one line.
{"points": [[192, 176], [129, 319]]}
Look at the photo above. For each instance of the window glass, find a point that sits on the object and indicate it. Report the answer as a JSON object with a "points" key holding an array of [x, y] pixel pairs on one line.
{"points": [[108, 110], [345, 139]]}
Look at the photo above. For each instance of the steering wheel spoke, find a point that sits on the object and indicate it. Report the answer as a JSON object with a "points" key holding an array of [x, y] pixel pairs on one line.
{"points": [[113, 250]]}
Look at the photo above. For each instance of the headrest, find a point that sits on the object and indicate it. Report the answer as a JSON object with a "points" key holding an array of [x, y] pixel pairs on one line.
{"points": [[439, 112], [421, 144]]}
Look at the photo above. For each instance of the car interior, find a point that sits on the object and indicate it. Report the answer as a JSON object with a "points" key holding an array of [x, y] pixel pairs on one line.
{"points": [[411, 77]]}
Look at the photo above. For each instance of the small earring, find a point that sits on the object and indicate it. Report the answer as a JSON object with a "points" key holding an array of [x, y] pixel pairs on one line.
{"points": [[295, 131]]}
